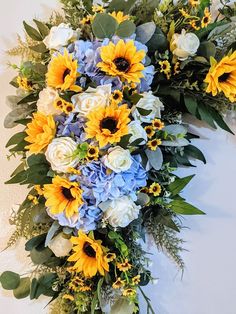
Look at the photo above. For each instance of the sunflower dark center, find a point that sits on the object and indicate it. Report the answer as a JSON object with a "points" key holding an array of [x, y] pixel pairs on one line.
{"points": [[66, 72], [224, 77], [110, 124], [122, 64], [92, 151], [67, 193], [154, 143], [205, 19], [88, 250], [115, 96]]}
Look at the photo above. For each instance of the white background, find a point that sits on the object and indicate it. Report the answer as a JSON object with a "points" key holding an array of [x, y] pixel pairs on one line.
{"points": [[209, 282]]}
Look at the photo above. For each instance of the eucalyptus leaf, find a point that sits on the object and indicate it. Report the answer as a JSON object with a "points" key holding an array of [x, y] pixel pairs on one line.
{"points": [[175, 129], [23, 290], [40, 257], [207, 49], [155, 158], [18, 113], [121, 5], [51, 232], [179, 142], [104, 25], [125, 29], [9, 280], [145, 32]]}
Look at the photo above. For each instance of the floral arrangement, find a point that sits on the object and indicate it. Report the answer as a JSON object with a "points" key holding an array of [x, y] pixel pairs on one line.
{"points": [[100, 94]]}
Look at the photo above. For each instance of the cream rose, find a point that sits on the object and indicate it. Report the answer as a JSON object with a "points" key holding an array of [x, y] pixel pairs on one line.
{"points": [[118, 159], [150, 103], [120, 212], [60, 154], [137, 132], [91, 99], [60, 245], [184, 45], [59, 36], [45, 102]]}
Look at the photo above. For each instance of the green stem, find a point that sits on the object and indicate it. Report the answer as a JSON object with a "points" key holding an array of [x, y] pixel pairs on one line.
{"points": [[149, 306]]}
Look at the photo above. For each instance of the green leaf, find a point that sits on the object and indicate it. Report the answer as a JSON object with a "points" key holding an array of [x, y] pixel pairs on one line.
{"points": [[205, 114], [51, 232], [42, 27], [194, 152], [16, 138], [145, 32], [42, 286], [9, 280], [40, 48], [191, 104], [168, 222], [207, 49], [219, 120], [36, 160], [19, 177], [32, 32], [104, 26], [23, 290], [36, 241], [179, 184], [28, 99], [121, 5], [126, 29], [155, 158], [143, 112], [40, 257], [183, 208], [99, 287]]}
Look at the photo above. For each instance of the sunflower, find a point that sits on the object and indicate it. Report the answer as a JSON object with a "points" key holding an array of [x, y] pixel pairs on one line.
{"points": [[92, 153], [89, 256], [108, 124], [154, 144], [41, 130], [155, 189], [195, 24], [158, 124], [122, 60], [119, 16], [118, 284], [194, 3], [136, 280], [110, 257], [124, 266], [24, 83], [62, 73], [63, 196], [149, 130], [206, 20], [129, 292], [222, 77], [117, 97]]}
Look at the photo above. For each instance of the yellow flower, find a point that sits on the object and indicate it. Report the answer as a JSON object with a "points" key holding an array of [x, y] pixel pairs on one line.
{"points": [[118, 284], [68, 297], [122, 60], [165, 66], [73, 171], [206, 20], [119, 16], [98, 9], [89, 255], [222, 77], [194, 25], [33, 199], [62, 72], [144, 190], [125, 266], [194, 3], [108, 124], [158, 124], [184, 13], [87, 20], [92, 153], [155, 189], [41, 130], [85, 288], [63, 196], [150, 131], [68, 107], [136, 280], [24, 83], [176, 68], [117, 97], [129, 292], [110, 257], [154, 144]]}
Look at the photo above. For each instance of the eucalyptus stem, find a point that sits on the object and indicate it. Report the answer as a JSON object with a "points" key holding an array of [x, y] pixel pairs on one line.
{"points": [[149, 306]]}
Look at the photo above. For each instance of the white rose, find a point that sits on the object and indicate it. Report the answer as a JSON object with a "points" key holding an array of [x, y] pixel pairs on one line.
{"points": [[137, 132], [184, 45], [118, 159], [151, 103], [60, 154], [59, 36], [45, 102], [120, 212], [60, 245], [91, 99]]}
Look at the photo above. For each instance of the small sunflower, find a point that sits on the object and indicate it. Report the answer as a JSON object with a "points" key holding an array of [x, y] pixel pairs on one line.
{"points": [[92, 153], [110, 257], [136, 280], [165, 68], [73, 171], [122, 60], [150, 131], [222, 77], [68, 108], [144, 190], [117, 97], [154, 144], [184, 13], [129, 292], [68, 297], [38, 189], [98, 8], [87, 20], [85, 288], [206, 20], [88, 255], [41, 130], [24, 83], [194, 3], [194, 24], [118, 284], [119, 16], [155, 189], [108, 124], [124, 266], [62, 73], [63, 196], [158, 124], [176, 68]]}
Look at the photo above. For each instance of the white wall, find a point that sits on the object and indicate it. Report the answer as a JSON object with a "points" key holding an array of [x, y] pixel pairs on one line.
{"points": [[208, 285]]}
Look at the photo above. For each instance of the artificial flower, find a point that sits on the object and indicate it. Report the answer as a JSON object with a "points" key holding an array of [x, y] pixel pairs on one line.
{"points": [[153, 144], [119, 16], [108, 124], [110, 257], [117, 159], [124, 266], [117, 96], [61, 155], [63, 196], [136, 280], [60, 245], [222, 77], [62, 72], [24, 83], [92, 153], [157, 124], [149, 131], [129, 292], [45, 103], [89, 255], [120, 212], [59, 36], [40, 132], [122, 60], [118, 284], [206, 20], [137, 132], [155, 189]]}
